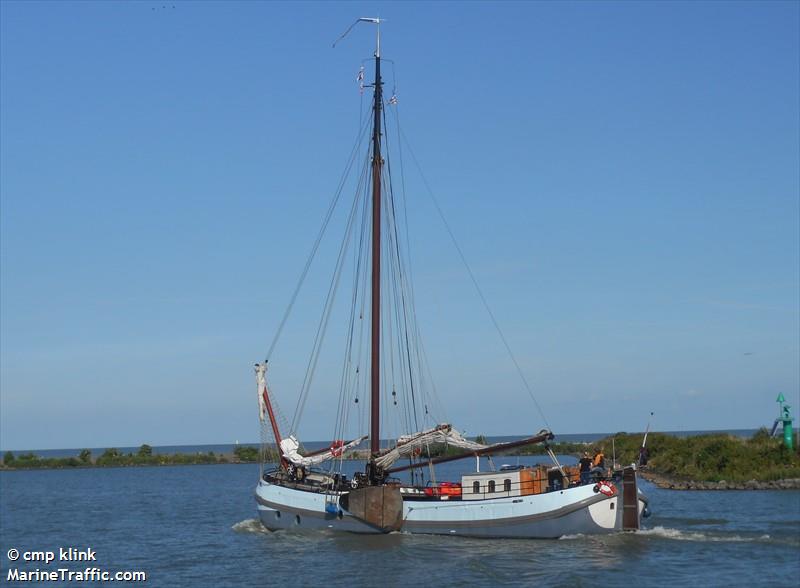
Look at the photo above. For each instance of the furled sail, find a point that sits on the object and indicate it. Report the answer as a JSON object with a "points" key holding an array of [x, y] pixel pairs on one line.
{"points": [[410, 444], [290, 450], [261, 387]]}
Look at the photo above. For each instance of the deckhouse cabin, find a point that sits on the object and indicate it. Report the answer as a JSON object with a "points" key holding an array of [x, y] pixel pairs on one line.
{"points": [[503, 483], [519, 481]]}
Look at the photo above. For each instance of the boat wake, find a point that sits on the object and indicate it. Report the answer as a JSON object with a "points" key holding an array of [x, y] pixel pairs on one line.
{"points": [[569, 537], [660, 532], [676, 534], [250, 526]]}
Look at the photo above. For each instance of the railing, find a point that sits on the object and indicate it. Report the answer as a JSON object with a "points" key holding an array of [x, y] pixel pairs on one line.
{"points": [[540, 483]]}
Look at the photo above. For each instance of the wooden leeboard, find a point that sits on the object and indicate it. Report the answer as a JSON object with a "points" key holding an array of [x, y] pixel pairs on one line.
{"points": [[380, 506], [630, 500]]}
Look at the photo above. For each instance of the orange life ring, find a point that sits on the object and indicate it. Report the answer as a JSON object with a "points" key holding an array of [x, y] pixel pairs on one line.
{"points": [[606, 488]]}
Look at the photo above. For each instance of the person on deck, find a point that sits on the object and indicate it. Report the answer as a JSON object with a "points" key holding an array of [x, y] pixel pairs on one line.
{"points": [[599, 464], [585, 467]]}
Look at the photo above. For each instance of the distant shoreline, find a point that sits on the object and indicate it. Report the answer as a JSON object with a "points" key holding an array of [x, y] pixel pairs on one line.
{"points": [[703, 462], [314, 445], [661, 481], [141, 457], [4, 468]]}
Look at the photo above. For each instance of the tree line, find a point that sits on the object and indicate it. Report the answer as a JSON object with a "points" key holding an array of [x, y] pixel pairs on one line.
{"points": [[708, 458], [143, 456]]}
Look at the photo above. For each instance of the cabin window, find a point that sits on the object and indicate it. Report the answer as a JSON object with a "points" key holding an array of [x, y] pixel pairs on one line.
{"points": [[507, 485], [297, 519], [491, 485], [476, 487]]}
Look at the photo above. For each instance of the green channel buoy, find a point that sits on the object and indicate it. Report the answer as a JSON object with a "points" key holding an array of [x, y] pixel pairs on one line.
{"points": [[785, 417]]}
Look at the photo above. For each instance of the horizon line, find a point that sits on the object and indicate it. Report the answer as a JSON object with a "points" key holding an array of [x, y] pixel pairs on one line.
{"points": [[234, 443]]}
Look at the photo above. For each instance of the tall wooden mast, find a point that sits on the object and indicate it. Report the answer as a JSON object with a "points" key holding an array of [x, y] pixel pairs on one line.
{"points": [[377, 162]]}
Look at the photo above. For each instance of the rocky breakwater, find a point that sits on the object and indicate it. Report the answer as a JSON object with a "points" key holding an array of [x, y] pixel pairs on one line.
{"points": [[679, 484]]}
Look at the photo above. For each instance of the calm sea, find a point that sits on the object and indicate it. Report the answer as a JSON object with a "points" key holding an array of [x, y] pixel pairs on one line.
{"points": [[197, 526]]}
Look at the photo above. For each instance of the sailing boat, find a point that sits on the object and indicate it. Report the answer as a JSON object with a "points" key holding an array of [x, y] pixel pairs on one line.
{"points": [[300, 493]]}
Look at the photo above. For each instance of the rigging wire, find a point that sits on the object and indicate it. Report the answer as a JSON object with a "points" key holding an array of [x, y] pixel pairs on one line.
{"points": [[326, 313], [345, 390], [394, 289], [421, 356], [409, 337], [393, 216], [474, 280], [320, 235], [399, 289]]}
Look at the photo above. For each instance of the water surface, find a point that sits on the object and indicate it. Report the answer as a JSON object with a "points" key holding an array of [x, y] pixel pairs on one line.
{"points": [[197, 526]]}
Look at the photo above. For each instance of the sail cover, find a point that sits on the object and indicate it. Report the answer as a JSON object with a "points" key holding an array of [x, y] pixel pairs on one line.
{"points": [[410, 444], [261, 386], [290, 450]]}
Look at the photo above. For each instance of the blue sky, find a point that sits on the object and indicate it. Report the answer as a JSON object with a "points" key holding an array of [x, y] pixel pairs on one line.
{"points": [[623, 178]]}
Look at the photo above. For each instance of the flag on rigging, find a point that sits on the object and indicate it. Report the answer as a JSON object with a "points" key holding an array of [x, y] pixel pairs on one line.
{"points": [[360, 80], [393, 99]]}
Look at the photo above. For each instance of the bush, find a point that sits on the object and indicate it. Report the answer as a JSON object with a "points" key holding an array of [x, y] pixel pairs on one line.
{"points": [[114, 457], [246, 453], [712, 457], [111, 456]]}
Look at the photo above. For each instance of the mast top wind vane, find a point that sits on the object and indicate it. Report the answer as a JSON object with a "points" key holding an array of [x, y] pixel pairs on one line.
{"points": [[375, 21]]}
